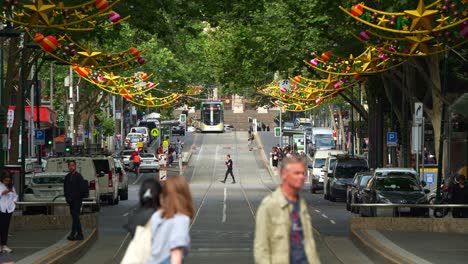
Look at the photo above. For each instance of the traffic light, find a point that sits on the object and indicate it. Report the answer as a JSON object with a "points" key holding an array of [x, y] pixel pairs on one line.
{"points": [[68, 143], [49, 142], [277, 131]]}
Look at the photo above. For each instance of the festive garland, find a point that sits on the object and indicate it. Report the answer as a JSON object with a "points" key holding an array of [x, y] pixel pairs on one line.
{"points": [[148, 100]]}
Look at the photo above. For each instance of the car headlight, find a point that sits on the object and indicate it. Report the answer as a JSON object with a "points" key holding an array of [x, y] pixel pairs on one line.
{"points": [[383, 199]]}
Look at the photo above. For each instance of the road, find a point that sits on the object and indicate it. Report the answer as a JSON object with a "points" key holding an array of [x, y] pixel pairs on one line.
{"points": [[223, 227]]}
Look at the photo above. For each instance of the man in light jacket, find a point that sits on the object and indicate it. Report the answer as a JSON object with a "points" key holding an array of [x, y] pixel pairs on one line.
{"points": [[283, 232]]}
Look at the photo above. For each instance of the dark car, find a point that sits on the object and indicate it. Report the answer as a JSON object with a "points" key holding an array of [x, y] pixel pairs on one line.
{"points": [[397, 189], [178, 130], [353, 192], [346, 167]]}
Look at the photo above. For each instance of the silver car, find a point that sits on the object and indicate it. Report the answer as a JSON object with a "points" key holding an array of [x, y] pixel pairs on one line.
{"points": [[149, 161]]}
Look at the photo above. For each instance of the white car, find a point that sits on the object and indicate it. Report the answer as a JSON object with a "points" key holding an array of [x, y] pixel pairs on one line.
{"points": [[149, 161], [45, 187], [132, 139], [144, 131], [125, 156], [123, 179]]}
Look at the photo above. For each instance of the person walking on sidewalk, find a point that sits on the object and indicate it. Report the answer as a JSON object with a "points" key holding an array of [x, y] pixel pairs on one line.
{"points": [[229, 169], [251, 139], [283, 229], [8, 198], [460, 196], [73, 191]]}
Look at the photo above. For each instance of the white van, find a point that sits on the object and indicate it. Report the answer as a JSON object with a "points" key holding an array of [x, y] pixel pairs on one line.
{"points": [[319, 165], [108, 178], [142, 130], [85, 166]]}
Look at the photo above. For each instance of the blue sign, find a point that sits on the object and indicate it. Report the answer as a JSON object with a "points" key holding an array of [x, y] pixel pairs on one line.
{"points": [[39, 134], [430, 177], [86, 132], [392, 139]]}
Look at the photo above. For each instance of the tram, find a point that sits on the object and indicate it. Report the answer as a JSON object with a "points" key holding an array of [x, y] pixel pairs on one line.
{"points": [[212, 117]]}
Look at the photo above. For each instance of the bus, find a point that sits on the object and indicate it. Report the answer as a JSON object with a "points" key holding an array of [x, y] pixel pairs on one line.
{"points": [[212, 117]]}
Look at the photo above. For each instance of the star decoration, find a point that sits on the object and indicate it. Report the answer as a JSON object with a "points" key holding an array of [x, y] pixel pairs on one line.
{"points": [[405, 27], [382, 21], [112, 80], [442, 20], [421, 16], [89, 55], [41, 11], [329, 82], [368, 61], [419, 43], [150, 100]]}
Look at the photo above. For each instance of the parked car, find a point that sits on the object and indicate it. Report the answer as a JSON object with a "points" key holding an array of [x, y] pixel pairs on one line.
{"points": [[288, 125], [178, 130], [107, 179], [353, 191], [123, 180], [85, 166], [394, 189], [346, 166], [149, 161], [319, 166], [45, 186], [132, 140], [125, 158]]}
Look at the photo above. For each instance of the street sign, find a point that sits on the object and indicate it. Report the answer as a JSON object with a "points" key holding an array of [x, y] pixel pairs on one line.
{"points": [[392, 139], [430, 176], [277, 131], [416, 139], [10, 118], [162, 175], [183, 118], [155, 132], [39, 137], [418, 113]]}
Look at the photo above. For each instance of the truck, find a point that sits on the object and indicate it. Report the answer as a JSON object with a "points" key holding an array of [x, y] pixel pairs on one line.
{"points": [[321, 138]]}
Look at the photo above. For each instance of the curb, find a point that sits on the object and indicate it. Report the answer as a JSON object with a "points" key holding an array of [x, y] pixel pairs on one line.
{"points": [[266, 161], [60, 252], [381, 251]]}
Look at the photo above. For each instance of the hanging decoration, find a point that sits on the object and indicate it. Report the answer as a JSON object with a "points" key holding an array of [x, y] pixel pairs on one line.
{"points": [[148, 100], [66, 50], [42, 14]]}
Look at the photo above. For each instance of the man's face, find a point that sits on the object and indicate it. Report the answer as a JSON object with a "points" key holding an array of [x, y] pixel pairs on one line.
{"points": [[72, 166], [294, 175]]}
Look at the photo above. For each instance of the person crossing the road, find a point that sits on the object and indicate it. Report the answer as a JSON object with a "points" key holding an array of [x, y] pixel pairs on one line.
{"points": [[74, 192], [229, 169], [283, 229]]}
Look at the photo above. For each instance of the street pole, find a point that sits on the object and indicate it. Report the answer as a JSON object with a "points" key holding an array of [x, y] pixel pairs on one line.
{"points": [[441, 141], [38, 107], [72, 121], [51, 104], [3, 113], [422, 148], [281, 126]]}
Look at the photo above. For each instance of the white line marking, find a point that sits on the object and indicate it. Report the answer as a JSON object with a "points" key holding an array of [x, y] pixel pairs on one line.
{"points": [[317, 211], [141, 174], [125, 214], [333, 222], [224, 206], [324, 216]]}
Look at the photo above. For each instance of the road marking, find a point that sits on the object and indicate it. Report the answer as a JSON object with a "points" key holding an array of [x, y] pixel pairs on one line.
{"points": [[224, 206], [318, 211], [125, 214], [324, 216], [333, 222], [121, 245], [139, 177]]}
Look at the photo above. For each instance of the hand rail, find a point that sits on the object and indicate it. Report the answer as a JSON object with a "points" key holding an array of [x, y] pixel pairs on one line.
{"points": [[413, 205], [52, 203]]}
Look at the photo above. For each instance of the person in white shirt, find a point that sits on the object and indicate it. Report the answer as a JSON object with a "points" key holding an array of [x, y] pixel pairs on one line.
{"points": [[8, 198]]}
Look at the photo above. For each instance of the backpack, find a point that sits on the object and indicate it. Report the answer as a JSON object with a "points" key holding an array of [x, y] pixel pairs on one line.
{"points": [[136, 159], [84, 189]]}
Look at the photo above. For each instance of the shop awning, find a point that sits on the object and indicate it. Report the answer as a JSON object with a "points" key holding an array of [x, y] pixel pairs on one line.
{"points": [[46, 114]]}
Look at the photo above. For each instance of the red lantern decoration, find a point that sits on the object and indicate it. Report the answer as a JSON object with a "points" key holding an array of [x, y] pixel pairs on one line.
{"points": [[318, 101], [364, 35], [101, 4], [49, 44], [134, 51], [114, 17], [314, 62], [325, 56], [38, 37], [82, 71], [297, 78], [464, 29], [357, 10], [141, 60]]}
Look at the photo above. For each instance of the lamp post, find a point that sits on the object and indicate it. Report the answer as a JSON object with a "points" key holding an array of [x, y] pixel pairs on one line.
{"points": [[7, 32]]}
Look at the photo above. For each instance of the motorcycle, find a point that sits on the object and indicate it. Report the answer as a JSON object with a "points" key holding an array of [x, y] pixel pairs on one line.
{"points": [[446, 198]]}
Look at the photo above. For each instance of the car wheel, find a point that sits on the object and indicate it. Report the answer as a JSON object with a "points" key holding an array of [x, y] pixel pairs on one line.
{"points": [[332, 196], [124, 194], [325, 196], [348, 205], [117, 199], [110, 200]]}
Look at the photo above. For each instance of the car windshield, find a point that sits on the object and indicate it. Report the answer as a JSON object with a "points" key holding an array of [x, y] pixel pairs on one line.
{"points": [[398, 173], [324, 142], [49, 179], [127, 152], [288, 124], [398, 184], [347, 172], [134, 140], [319, 163], [332, 164], [141, 130], [147, 155], [364, 180]]}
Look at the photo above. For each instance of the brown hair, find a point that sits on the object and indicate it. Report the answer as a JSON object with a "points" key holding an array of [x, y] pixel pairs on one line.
{"points": [[176, 198]]}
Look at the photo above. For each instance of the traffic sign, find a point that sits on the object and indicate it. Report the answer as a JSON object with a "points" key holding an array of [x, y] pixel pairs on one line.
{"points": [[39, 137], [183, 118], [430, 177], [10, 118], [392, 139], [162, 175], [155, 132], [277, 131], [418, 113]]}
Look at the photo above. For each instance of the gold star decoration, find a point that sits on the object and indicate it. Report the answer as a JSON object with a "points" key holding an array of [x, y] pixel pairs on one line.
{"points": [[112, 80], [442, 20], [382, 21], [419, 43], [150, 99], [421, 16], [329, 82], [41, 11], [368, 60], [89, 55], [405, 27]]}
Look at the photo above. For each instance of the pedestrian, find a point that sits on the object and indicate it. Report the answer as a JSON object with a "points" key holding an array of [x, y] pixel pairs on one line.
{"points": [[263, 127], [275, 157], [171, 223], [460, 196], [149, 193], [268, 128], [251, 139], [73, 189], [283, 229], [229, 169], [8, 198]]}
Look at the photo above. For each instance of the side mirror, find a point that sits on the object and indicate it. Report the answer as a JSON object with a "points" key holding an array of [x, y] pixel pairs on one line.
{"points": [[423, 183], [101, 174], [426, 191]]}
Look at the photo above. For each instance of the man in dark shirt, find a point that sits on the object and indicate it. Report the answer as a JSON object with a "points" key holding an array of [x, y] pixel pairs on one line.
{"points": [[72, 189], [229, 169]]}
